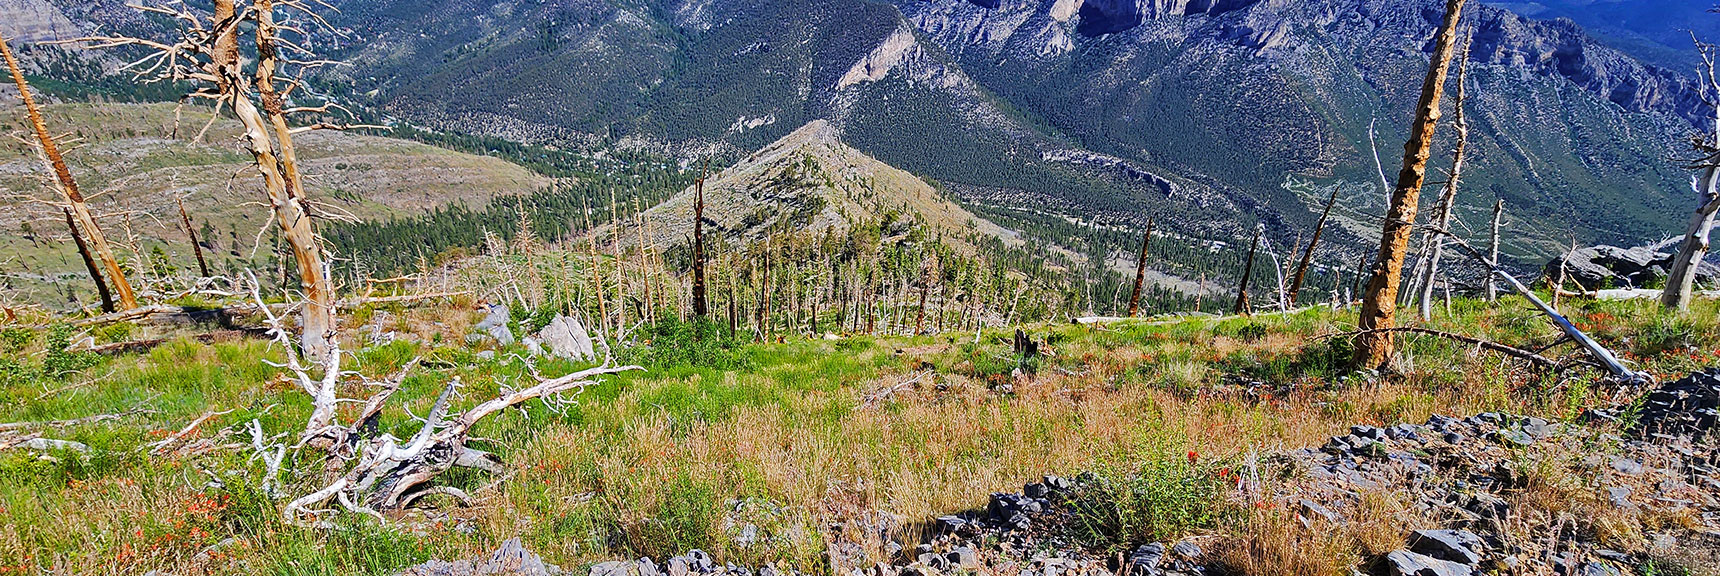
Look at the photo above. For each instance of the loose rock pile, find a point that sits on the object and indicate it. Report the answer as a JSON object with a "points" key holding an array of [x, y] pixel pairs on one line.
{"points": [[1688, 407]]}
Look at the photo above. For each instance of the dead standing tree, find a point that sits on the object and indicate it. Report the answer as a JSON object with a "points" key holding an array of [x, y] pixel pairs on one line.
{"points": [[207, 52], [1308, 254], [1448, 197], [1140, 271], [1379, 303], [191, 233], [1242, 306], [73, 198], [1681, 280], [699, 303]]}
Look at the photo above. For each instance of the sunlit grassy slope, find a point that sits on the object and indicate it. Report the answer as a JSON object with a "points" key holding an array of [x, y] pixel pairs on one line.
{"points": [[792, 438]]}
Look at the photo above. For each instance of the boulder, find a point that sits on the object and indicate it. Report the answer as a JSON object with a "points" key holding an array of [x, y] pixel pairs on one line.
{"points": [[565, 337], [1601, 267], [1460, 546], [1406, 563], [495, 323]]}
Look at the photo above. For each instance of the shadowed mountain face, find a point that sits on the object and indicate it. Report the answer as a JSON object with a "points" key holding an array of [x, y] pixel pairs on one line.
{"points": [[1658, 31], [1207, 114]]}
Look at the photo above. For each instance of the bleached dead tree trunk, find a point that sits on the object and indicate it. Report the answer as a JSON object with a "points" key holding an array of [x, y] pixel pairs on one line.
{"points": [[207, 52], [69, 193], [1493, 248], [1681, 280], [1379, 303], [1447, 197]]}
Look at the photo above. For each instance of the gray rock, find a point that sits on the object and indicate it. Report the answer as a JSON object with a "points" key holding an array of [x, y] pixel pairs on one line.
{"points": [[699, 561], [1627, 466], [1539, 428], [565, 337], [1187, 550], [1513, 437], [496, 325], [748, 536], [1599, 267], [950, 524], [1620, 497], [1146, 559], [612, 568], [1406, 563], [1461, 546], [964, 557], [1598, 569], [647, 567], [1312, 508], [511, 559]]}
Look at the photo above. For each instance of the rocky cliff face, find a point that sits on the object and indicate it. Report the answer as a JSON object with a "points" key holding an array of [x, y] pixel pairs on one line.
{"points": [[1503, 38], [29, 21], [1234, 95]]}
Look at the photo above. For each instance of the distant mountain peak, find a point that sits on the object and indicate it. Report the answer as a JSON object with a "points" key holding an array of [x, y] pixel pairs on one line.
{"points": [[810, 180]]}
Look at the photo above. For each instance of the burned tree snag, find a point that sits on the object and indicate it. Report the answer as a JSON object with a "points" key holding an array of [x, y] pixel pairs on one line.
{"points": [[207, 52], [196, 246], [699, 303], [1379, 303], [1242, 307], [90, 263], [74, 199], [1308, 253], [1140, 271]]}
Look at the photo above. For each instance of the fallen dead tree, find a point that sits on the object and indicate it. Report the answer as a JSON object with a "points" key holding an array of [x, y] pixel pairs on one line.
{"points": [[367, 471], [1534, 358], [1617, 370]]}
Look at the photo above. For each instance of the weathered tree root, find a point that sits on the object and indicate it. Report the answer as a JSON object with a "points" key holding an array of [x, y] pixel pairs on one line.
{"points": [[375, 472]]}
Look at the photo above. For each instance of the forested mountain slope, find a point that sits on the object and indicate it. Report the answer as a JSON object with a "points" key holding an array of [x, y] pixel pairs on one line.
{"points": [[1110, 110], [1067, 118], [134, 167]]}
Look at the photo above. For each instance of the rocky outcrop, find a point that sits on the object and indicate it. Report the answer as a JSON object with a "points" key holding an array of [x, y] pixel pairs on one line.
{"points": [[1604, 267], [898, 47], [1555, 48], [1560, 47], [30, 21]]}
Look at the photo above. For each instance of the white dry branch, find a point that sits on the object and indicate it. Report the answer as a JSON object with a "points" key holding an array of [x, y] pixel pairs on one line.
{"points": [[367, 471]]}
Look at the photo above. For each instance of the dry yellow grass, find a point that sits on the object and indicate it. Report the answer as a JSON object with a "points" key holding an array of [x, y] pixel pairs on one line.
{"points": [[687, 457]]}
